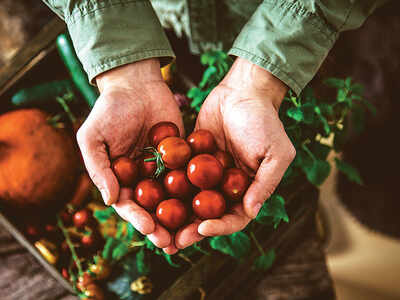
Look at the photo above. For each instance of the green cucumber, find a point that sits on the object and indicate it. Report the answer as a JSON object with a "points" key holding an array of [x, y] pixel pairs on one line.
{"points": [[42, 93], [78, 75]]}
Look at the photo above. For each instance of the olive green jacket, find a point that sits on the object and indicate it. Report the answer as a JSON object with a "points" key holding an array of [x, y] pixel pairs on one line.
{"points": [[289, 38]]}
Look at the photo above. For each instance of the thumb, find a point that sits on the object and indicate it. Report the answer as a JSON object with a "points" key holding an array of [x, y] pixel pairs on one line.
{"points": [[98, 165]]}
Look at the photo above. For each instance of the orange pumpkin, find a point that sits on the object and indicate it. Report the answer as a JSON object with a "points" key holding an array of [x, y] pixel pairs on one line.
{"points": [[39, 164]]}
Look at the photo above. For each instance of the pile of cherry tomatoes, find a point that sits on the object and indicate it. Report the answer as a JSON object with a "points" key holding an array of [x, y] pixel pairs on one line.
{"points": [[180, 180]]}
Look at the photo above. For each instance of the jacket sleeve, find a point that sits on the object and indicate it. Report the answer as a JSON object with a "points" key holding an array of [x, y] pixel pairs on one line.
{"points": [[291, 38], [110, 33]]}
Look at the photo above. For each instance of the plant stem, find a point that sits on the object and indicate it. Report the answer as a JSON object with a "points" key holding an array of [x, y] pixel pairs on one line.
{"points": [[259, 247], [70, 245], [66, 109]]}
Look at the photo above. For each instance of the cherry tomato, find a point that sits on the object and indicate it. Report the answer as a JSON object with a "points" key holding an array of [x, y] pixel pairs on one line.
{"points": [[84, 281], [161, 131], [101, 269], [202, 141], [224, 158], [177, 184], [149, 193], [147, 168], [175, 152], [82, 218], [235, 183], [88, 241], [204, 171], [171, 213], [126, 171], [34, 231], [64, 273], [208, 204], [93, 291]]}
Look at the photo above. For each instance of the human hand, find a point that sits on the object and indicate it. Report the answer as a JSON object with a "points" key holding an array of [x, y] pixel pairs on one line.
{"points": [[132, 99], [242, 114]]}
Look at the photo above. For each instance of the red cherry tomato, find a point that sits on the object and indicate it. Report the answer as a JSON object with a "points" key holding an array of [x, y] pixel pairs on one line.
{"points": [[82, 218], [202, 141], [84, 281], [224, 158], [34, 231], [148, 194], [177, 184], [235, 183], [175, 152], [65, 273], [171, 213], [161, 131], [126, 171], [88, 240], [204, 171], [147, 168], [208, 204]]}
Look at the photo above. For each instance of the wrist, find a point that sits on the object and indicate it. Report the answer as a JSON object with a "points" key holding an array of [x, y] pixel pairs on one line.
{"points": [[130, 75], [246, 76]]}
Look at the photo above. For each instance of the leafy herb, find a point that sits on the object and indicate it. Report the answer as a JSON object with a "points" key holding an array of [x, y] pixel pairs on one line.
{"points": [[351, 173], [273, 211], [236, 245], [264, 261]]}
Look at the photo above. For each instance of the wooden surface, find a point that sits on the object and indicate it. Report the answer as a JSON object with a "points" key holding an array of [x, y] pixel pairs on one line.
{"points": [[32, 52]]}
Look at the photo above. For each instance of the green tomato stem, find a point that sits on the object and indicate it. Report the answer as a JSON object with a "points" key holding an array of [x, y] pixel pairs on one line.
{"points": [[259, 247]]}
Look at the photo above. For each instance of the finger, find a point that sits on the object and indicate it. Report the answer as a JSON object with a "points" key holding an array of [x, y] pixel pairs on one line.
{"points": [[228, 224], [133, 213], [171, 250], [268, 176], [98, 165], [188, 236], [161, 238]]}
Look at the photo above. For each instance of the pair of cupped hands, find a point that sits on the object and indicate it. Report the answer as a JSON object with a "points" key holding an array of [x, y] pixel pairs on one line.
{"points": [[241, 112]]}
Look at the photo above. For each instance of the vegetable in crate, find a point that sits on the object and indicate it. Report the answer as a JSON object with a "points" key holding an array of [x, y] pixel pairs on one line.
{"points": [[39, 164]]}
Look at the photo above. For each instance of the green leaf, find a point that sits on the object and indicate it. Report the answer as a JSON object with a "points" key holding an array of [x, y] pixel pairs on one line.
{"points": [[317, 172], [308, 113], [120, 250], [324, 121], [207, 75], [141, 265], [370, 107], [108, 248], [334, 82], [342, 95], [351, 173], [347, 82], [103, 215], [148, 244], [319, 150], [357, 89], [168, 258], [358, 119], [326, 109], [295, 113], [273, 211], [265, 261], [237, 245], [130, 232]]}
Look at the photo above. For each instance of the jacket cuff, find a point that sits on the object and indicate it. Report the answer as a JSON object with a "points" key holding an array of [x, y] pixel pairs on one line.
{"points": [[287, 39], [110, 33]]}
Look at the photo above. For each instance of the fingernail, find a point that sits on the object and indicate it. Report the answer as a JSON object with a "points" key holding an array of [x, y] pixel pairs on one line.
{"points": [[105, 196], [256, 209]]}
